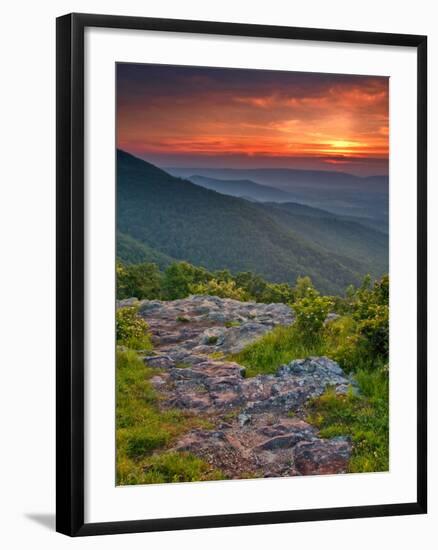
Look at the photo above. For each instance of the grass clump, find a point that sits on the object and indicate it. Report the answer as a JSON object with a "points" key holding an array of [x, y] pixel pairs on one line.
{"points": [[230, 324], [178, 467], [183, 366], [339, 340], [363, 417], [217, 355], [141, 427], [357, 340], [277, 347]]}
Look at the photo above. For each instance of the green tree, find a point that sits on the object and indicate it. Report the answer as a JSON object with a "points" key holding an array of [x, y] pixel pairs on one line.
{"points": [[253, 284], [179, 277], [223, 275], [277, 293], [142, 281]]}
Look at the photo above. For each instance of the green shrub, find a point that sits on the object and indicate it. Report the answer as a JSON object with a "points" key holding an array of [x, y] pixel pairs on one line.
{"points": [[356, 342], [223, 289], [303, 288], [369, 307], [132, 330], [360, 338], [311, 311], [375, 330], [344, 344], [182, 319]]}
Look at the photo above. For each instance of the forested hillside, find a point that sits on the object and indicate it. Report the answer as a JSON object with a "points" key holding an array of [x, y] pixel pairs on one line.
{"points": [[159, 214], [134, 252], [366, 247]]}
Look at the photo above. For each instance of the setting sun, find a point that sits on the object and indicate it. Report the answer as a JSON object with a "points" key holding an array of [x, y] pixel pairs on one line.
{"points": [[187, 116]]}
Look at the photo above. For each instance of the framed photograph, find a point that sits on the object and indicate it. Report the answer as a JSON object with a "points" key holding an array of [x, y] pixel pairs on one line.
{"points": [[241, 274]]}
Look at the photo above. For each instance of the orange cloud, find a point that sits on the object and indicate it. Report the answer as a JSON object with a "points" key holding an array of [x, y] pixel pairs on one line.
{"points": [[278, 116]]}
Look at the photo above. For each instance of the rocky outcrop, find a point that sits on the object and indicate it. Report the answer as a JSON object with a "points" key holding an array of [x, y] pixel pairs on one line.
{"points": [[208, 324], [268, 447], [213, 386], [260, 427]]}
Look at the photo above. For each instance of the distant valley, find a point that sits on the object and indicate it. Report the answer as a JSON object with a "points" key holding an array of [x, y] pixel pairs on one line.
{"points": [[162, 218], [365, 199], [245, 189]]}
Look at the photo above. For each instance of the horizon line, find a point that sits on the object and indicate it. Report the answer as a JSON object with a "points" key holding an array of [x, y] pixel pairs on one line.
{"points": [[200, 168]]}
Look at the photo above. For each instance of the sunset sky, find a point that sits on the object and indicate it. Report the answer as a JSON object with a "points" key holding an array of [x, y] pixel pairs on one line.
{"points": [[239, 118]]}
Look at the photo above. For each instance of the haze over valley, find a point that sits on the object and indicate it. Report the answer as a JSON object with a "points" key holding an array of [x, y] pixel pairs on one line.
{"points": [[163, 218]]}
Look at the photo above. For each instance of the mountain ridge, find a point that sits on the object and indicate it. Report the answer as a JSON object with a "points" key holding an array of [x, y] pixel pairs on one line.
{"points": [[184, 221], [336, 192], [242, 188]]}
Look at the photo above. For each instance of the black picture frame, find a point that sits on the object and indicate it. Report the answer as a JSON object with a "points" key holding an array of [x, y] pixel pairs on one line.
{"points": [[70, 273]]}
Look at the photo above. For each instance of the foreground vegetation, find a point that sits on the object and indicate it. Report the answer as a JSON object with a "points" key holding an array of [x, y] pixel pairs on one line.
{"points": [[363, 417], [359, 341], [357, 338], [141, 428]]}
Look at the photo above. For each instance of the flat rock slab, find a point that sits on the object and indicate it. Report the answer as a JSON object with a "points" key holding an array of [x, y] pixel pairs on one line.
{"points": [[217, 387], [208, 324], [268, 446]]}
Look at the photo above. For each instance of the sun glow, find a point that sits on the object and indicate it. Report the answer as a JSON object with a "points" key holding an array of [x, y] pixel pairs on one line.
{"points": [[344, 144], [183, 114]]}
